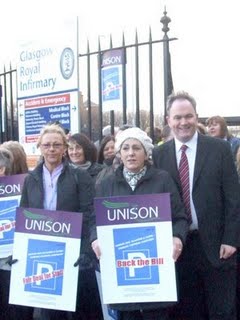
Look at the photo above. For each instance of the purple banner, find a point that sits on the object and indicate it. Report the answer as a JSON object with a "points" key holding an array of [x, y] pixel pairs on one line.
{"points": [[132, 209], [113, 57], [11, 185], [47, 222]]}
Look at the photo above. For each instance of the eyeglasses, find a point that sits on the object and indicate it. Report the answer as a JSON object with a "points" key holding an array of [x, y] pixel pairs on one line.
{"points": [[49, 145]]}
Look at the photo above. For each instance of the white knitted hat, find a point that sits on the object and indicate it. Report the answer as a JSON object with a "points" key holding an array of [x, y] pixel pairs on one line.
{"points": [[134, 133]]}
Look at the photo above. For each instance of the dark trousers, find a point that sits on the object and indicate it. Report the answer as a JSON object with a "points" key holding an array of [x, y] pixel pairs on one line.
{"points": [[205, 292], [11, 311], [88, 300], [159, 314]]}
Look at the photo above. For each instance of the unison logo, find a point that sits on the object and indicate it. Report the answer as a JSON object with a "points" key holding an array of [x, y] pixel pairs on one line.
{"points": [[38, 222], [112, 60], [127, 211], [10, 189]]}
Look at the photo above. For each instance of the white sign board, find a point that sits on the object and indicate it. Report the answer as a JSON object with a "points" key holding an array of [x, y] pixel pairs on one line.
{"points": [[47, 83], [135, 237], [46, 246]]}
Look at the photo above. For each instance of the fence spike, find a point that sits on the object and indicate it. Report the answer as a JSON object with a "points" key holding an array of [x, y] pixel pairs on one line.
{"points": [[123, 39]]}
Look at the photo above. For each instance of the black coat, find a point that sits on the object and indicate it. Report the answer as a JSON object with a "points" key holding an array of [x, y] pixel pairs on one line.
{"points": [[154, 181], [75, 192], [94, 170]]}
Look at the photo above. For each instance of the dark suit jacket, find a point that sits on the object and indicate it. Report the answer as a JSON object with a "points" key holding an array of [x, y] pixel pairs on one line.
{"points": [[215, 193]]}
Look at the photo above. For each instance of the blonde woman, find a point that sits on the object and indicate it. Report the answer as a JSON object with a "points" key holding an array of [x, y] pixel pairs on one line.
{"points": [[57, 185]]}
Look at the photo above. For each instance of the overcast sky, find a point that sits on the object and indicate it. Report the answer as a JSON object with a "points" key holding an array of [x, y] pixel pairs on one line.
{"points": [[205, 58]]}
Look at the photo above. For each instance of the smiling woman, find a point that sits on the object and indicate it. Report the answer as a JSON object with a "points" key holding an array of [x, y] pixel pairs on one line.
{"points": [[217, 127], [83, 153]]}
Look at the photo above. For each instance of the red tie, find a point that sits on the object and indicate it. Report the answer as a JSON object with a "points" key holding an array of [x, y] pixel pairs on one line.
{"points": [[184, 178]]}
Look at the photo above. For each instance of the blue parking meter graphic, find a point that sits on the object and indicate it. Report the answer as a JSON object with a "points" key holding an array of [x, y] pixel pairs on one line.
{"points": [[7, 221], [110, 84], [134, 249], [45, 267]]}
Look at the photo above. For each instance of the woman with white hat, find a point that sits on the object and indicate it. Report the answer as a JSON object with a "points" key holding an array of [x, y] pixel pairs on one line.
{"points": [[136, 175]]}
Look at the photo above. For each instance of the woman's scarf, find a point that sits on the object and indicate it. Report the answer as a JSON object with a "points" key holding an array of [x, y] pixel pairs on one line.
{"points": [[132, 178]]}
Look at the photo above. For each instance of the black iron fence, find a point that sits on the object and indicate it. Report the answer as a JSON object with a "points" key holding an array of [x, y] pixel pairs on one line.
{"points": [[8, 105]]}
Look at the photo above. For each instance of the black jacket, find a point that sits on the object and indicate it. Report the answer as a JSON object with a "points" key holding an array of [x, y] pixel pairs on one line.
{"points": [[75, 192], [215, 193], [94, 170]]}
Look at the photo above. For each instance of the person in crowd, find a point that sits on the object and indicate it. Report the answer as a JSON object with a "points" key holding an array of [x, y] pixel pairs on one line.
{"points": [[55, 184], [115, 162], [137, 176], [166, 134], [238, 164], [20, 163], [217, 127], [157, 133], [83, 153], [106, 131], [210, 191], [106, 156], [8, 164], [106, 151], [238, 250]]}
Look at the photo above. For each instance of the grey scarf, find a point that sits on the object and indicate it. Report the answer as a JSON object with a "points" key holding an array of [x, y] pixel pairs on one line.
{"points": [[85, 165], [132, 178]]}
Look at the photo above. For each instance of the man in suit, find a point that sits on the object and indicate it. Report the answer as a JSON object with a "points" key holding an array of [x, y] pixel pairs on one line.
{"points": [[207, 267]]}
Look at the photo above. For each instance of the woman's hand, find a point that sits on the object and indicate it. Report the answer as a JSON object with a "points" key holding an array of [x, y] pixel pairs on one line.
{"points": [[96, 248], [177, 248]]}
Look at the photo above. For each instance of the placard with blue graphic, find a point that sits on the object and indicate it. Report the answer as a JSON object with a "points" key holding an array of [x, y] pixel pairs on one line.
{"points": [[112, 79], [10, 194], [135, 237], [46, 245]]}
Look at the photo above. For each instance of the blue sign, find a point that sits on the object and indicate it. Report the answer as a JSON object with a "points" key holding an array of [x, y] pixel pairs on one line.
{"points": [[7, 221], [135, 253], [110, 84], [45, 267], [36, 118]]}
